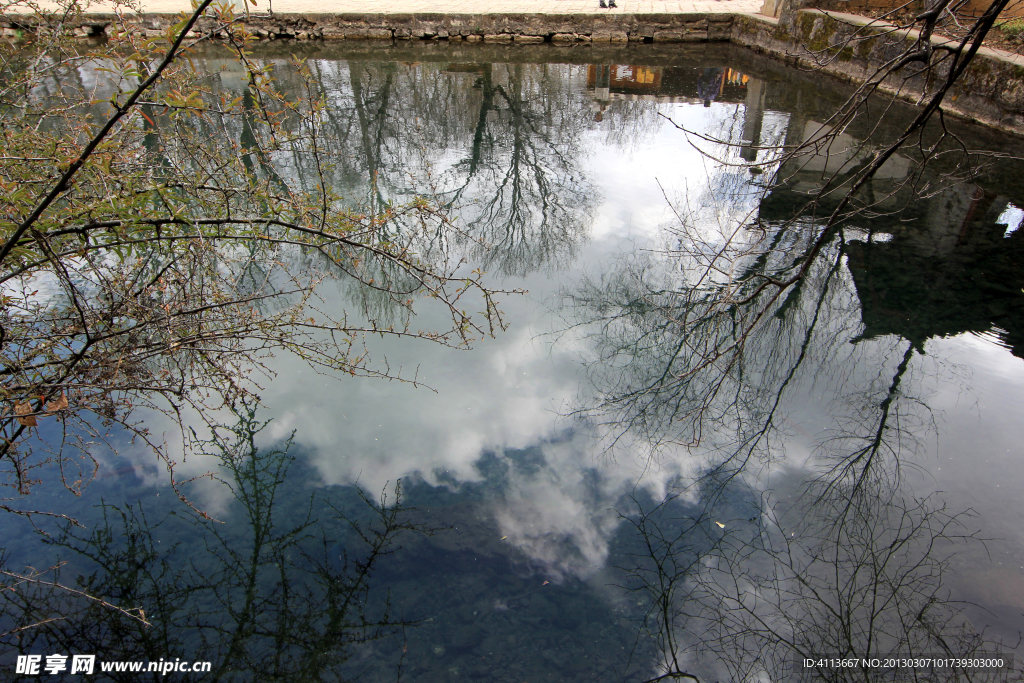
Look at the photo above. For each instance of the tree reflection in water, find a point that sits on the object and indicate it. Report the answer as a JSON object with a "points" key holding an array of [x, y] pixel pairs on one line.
{"points": [[518, 133], [712, 346], [283, 592], [835, 571]]}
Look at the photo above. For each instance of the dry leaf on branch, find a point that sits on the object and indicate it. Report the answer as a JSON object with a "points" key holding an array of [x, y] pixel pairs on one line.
{"points": [[57, 404], [24, 412]]}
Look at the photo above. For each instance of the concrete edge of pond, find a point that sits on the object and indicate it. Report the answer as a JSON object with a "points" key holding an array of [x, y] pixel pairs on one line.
{"points": [[853, 48], [850, 47]]}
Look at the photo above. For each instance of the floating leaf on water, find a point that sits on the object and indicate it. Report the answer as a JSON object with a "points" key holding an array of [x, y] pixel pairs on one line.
{"points": [[720, 525]]}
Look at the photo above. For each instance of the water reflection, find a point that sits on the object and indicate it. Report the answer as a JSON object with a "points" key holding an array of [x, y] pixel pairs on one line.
{"points": [[499, 143], [283, 590], [818, 570], [732, 491], [702, 347]]}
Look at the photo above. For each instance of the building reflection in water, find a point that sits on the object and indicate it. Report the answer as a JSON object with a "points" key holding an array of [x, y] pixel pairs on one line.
{"points": [[667, 84], [681, 85]]}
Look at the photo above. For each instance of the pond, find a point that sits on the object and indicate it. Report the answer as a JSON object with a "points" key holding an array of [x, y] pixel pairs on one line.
{"points": [[640, 475]]}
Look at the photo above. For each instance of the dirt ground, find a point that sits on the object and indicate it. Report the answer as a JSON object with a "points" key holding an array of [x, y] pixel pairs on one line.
{"points": [[1009, 40]]}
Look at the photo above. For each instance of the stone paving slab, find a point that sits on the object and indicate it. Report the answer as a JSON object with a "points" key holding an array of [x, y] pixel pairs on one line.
{"points": [[625, 7]]}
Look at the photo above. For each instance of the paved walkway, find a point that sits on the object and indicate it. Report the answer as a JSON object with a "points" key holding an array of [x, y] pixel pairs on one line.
{"points": [[461, 6]]}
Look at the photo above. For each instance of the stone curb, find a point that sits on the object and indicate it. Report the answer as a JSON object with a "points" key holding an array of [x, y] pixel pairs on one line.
{"points": [[497, 28]]}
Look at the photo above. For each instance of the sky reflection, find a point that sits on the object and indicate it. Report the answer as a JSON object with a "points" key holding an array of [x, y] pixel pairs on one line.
{"points": [[537, 494]]}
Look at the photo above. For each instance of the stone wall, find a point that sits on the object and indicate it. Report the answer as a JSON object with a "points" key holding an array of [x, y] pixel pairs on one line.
{"points": [[990, 91], [491, 28]]}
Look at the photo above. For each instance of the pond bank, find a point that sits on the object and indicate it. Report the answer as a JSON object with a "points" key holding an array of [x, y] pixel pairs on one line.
{"points": [[990, 93]]}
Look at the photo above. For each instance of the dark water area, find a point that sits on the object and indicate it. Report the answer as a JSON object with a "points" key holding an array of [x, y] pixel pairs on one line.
{"points": [[599, 493]]}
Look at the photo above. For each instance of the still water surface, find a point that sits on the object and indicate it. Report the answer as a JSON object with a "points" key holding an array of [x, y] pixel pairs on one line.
{"points": [[568, 524]]}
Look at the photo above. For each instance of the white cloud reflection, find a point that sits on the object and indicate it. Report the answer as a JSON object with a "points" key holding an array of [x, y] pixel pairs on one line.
{"points": [[511, 392], [507, 393]]}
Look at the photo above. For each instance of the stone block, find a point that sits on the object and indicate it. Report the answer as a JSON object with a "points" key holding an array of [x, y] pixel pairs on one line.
{"points": [[719, 32], [362, 33], [669, 36], [329, 33], [601, 37], [528, 39], [563, 38], [473, 38], [498, 38]]}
